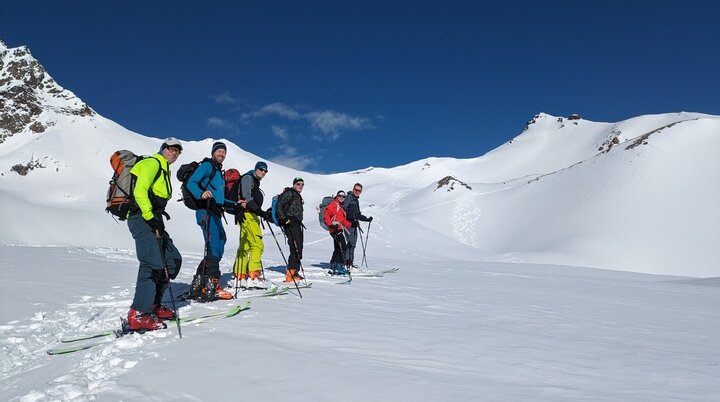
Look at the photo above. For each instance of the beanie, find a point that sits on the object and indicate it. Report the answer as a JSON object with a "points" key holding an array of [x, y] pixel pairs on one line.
{"points": [[261, 165], [340, 194], [216, 146], [298, 180]]}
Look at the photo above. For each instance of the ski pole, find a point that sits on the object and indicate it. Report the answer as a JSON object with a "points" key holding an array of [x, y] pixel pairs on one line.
{"points": [[284, 259], [367, 237], [362, 243], [237, 274], [167, 276], [206, 232]]}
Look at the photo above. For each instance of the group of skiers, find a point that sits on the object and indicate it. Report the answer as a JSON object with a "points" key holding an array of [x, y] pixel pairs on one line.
{"points": [[160, 260]]}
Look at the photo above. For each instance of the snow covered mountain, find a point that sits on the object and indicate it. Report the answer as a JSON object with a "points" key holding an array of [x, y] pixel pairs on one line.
{"points": [[637, 195], [472, 313]]}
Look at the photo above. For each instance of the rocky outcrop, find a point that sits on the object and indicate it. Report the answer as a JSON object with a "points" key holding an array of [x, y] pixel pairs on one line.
{"points": [[29, 97]]}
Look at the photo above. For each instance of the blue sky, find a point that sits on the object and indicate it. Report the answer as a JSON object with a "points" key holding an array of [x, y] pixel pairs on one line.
{"points": [[329, 86]]}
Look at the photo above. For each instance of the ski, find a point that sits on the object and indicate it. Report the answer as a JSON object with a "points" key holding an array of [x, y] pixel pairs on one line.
{"points": [[86, 337], [249, 293], [370, 273], [77, 347], [326, 277], [301, 285], [117, 333], [364, 274]]}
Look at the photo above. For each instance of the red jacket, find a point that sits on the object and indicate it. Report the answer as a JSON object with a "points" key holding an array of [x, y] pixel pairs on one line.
{"points": [[334, 212]]}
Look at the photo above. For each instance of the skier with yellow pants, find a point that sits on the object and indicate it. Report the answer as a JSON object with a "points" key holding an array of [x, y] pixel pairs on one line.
{"points": [[248, 261]]}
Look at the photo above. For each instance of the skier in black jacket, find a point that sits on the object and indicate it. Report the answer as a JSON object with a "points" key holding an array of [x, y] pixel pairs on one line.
{"points": [[290, 216], [352, 209]]}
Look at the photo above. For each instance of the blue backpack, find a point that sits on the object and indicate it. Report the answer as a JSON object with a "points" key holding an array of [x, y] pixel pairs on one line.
{"points": [[273, 210], [274, 207]]}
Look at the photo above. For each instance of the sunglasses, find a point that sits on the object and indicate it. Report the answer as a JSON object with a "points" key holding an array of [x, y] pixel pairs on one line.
{"points": [[357, 190], [263, 170]]}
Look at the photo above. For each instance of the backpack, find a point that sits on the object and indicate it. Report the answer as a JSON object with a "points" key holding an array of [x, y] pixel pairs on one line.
{"points": [[321, 210], [202, 289], [232, 185], [183, 174], [274, 207], [122, 184]]}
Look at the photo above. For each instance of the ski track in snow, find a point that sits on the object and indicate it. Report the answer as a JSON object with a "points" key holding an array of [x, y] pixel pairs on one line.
{"points": [[465, 215], [25, 343], [393, 203], [25, 346]]}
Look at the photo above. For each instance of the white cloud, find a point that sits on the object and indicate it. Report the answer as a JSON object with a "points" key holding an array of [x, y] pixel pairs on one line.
{"points": [[328, 123], [224, 97], [276, 108], [222, 124], [280, 132], [289, 157], [332, 123]]}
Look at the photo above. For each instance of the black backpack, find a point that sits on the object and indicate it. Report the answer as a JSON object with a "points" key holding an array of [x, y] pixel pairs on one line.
{"points": [[183, 174]]}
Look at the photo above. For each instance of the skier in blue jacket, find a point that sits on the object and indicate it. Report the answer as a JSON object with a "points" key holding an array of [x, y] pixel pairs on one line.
{"points": [[207, 184]]}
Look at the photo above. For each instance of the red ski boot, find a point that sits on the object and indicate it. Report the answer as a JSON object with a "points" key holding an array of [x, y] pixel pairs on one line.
{"points": [[163, 312], [143, 322]]}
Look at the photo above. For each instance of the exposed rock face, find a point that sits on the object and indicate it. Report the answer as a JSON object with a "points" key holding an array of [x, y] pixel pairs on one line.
{"points": [[450, 182], [29, 97]]}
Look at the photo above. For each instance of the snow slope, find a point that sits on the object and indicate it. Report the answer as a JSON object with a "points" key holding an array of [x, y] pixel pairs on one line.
{"points": [[623, 209], [436, 330]]}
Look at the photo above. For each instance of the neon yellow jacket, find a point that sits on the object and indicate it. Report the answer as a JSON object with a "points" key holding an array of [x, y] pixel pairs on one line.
{"points": [[145, 171]]}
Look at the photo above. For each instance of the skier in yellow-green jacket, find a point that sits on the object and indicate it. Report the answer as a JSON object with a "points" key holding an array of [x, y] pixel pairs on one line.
{"points": [[152, 191]]}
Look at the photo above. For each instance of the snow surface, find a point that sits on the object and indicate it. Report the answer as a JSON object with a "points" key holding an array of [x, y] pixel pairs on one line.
{"points": [[498, 297], [436, 330]]}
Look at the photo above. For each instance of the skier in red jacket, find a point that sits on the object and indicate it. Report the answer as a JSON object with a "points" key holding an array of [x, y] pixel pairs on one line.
{"points": [[338, 225]]}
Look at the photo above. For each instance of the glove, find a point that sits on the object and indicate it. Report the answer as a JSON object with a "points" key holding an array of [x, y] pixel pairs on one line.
{"points": [[370, 219], [231, 207], [214, 207], [156, 224], [354, 224]]}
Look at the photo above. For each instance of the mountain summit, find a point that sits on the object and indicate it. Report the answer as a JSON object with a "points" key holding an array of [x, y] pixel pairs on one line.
{"points": [[29, 98]]}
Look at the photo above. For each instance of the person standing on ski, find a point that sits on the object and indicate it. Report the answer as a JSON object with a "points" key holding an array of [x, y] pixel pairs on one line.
{"points": [[352, 208], [145, 221], [338, 225], [290, 216], [248, 261], [207, 185]]}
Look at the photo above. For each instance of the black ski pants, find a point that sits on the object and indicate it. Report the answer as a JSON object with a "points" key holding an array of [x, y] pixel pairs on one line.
{"points": [[294, 233], [339, 250]]}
